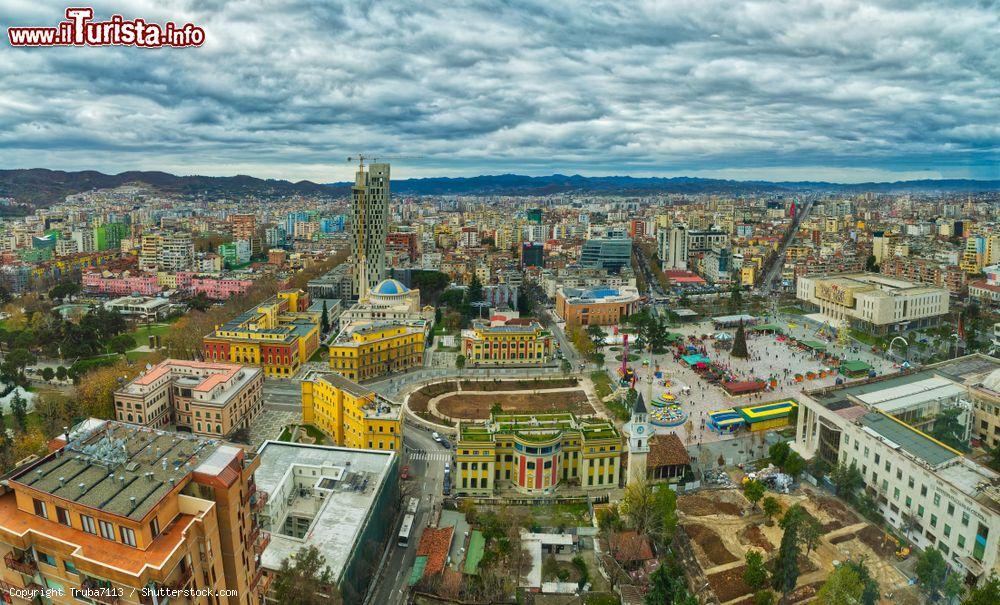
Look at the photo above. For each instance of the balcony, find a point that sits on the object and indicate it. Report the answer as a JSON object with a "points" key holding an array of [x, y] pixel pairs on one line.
{"points": [[256, 577], [24, 563], [258, 500], [265, 584], [251, 490], [183, 577], [261, 543]]}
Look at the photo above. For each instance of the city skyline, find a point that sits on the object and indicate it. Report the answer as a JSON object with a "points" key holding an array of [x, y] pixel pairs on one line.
{"points": [[846, 92]]}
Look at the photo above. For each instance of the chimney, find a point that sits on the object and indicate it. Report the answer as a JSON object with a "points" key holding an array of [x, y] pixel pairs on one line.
{"points": [[62, 481]]}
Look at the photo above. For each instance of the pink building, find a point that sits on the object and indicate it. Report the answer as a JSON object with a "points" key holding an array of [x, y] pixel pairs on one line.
{"points": [[215, 288], [121, 284]]}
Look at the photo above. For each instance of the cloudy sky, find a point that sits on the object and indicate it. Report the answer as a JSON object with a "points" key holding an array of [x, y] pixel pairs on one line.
{"points": [[804, 89]]}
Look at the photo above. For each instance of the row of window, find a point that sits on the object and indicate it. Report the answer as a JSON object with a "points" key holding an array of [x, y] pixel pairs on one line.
{"points": [[87, 524]]}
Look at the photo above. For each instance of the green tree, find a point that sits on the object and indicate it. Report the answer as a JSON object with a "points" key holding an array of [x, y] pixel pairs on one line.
{"points": [[987, 593], [306, 579], [122, 343], [870, 595], [19, 409], [763, 597], [842, 587], [778, 453], [324, 319], [949, 429], [735, 299], [437, 316], [846, 479], [740, 343], [565, 366], [496, 409], [754, 491], [666, 506], [755, 573], [12, 368], [871, 264], [794, 464], [771, 508], [48, 373], [786, 565], [61, 373], [811, 531], [932, 572], [460, 361]]}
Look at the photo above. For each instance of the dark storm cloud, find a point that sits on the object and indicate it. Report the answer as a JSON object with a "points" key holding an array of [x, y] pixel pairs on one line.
{"points": [[842, 89]]}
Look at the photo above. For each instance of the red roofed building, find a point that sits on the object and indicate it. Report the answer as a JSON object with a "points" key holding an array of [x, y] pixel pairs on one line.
{"points": [[434, 544]]}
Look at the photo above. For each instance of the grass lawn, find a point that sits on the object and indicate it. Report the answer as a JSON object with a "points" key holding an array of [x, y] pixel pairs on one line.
{"points": [[607, 598], [445, 349], [321, 354], [315, 433], [602, 383], [555, 515], [792, 311], [868, 339], [286, 434]]}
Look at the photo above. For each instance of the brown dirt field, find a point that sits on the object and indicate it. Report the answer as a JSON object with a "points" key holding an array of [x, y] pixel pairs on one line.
{"points": [[517, 385], [728, 584], [804, 592], [703, 506], [419, 398], [477, 405], [843, 538], [872, 537], [711, 544], [753, 536], [842, 516]]}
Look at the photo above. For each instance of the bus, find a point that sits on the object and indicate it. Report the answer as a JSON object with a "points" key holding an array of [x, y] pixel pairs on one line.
{"points": [[411, 507], [404, 531]]}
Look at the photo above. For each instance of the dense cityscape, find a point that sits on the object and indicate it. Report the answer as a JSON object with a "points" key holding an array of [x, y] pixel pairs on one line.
{"points": [[396, 302], [375, 397]]}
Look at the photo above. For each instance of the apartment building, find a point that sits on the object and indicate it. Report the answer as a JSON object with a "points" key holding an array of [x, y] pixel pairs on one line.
{"points": [[874, 303], [171, 251], [376, 349], [119, 513], [610, 254], [207, 398], [278, 335], [352, 415], [341, 501], [535, 454], [507, 342], [934, 495]]}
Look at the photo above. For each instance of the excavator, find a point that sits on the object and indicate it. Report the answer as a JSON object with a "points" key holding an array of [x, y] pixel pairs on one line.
{"points": [[902, 550]]}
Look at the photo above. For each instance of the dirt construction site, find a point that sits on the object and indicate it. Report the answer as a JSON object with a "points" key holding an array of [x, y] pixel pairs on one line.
{"points": [[721, 526]]}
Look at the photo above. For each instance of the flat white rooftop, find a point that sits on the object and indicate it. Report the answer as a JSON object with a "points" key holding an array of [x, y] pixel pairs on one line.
{"points": [[914, 394], [295, 476]]}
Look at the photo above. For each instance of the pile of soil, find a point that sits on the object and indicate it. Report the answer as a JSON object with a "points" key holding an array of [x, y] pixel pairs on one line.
{"points": [[753, 536], [844, 538], [805, 564], [478, 405], [711, 544], [842, 516], [728, 585], [700, 506], [517, 385], [872, 537]]}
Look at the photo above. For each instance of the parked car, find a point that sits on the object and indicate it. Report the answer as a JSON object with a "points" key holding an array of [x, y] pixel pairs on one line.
{"points": [[445, 444], [436, 436]]}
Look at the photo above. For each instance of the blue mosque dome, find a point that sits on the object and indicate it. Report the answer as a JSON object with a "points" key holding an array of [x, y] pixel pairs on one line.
{"points": [[390, 287]]}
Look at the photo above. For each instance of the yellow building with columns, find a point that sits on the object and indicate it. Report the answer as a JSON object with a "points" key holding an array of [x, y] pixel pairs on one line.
{"points": [[352, 415], [377, 349]]}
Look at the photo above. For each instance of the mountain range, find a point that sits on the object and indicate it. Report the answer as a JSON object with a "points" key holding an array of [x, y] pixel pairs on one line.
{"points": [[42, 187]]}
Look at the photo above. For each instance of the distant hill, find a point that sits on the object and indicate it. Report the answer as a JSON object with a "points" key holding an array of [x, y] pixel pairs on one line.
{"points": [[42, 187], [559, 183]]}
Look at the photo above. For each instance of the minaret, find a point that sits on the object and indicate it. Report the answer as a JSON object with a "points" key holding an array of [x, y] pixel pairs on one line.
{"points": [[639, 433]]}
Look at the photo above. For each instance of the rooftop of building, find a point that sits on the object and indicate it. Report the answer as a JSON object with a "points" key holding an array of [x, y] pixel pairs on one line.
{"points": [[537, 427], [199, 376], [350, 481], [599, 295], [876, 283], [346, 336], [377, 406], [124, 469], [900, 435]]}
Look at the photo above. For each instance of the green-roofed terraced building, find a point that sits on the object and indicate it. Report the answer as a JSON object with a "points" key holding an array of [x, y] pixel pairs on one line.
{"points": [[534, 454]]}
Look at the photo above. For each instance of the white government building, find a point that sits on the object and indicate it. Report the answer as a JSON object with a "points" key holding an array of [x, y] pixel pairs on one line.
{"points": [[936, 496], [873, 303]]}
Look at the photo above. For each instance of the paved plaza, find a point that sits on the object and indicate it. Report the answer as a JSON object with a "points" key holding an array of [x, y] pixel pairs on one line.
{"points": [[768, 358], [270, 423]]}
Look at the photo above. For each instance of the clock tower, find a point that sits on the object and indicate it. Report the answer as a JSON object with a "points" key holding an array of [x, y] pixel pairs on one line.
{"points": [[639, 432]]}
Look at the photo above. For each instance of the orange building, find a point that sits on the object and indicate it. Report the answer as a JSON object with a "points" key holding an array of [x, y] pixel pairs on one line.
{"points": [[597, 306], [120, 513]]}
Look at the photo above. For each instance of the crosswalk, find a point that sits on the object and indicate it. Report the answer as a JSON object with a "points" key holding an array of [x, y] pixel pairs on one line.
{"points": [[429, 456]]}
